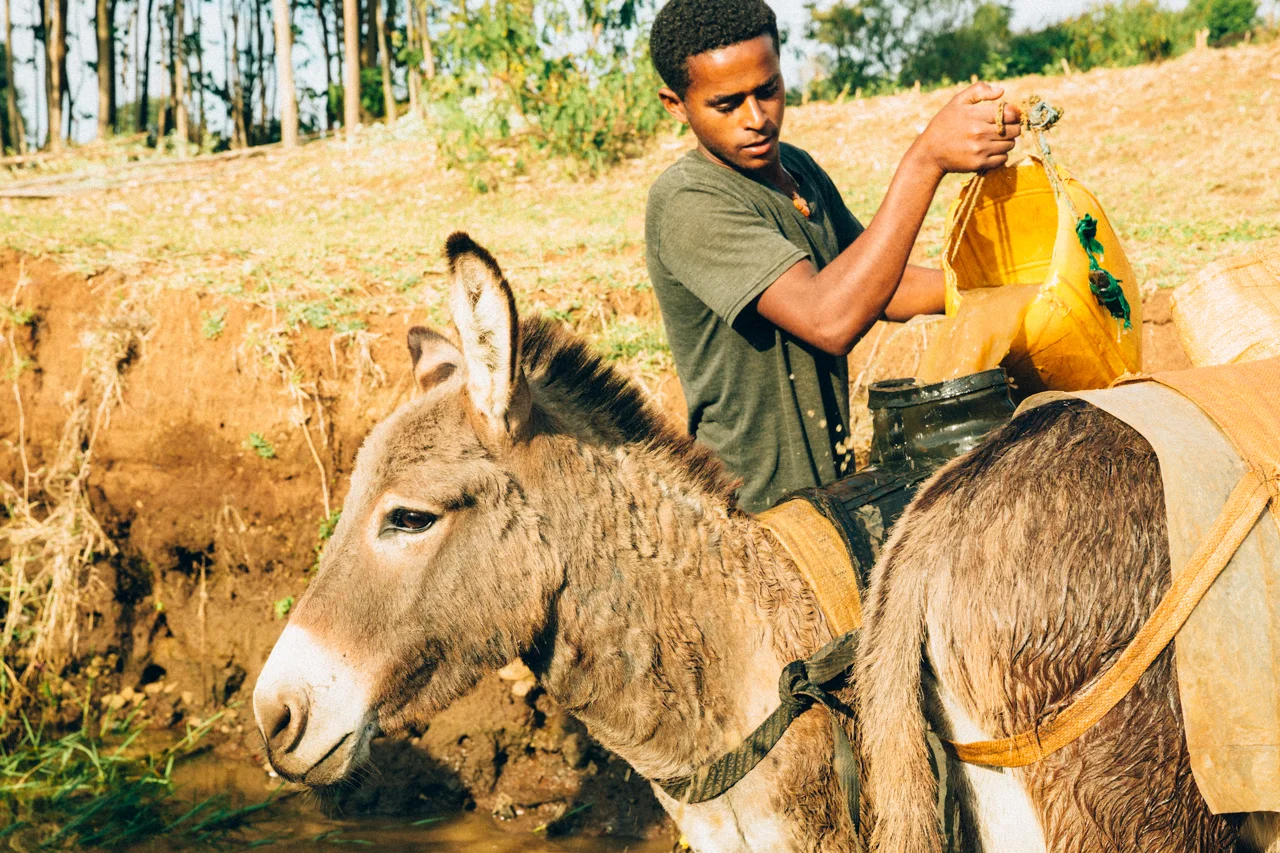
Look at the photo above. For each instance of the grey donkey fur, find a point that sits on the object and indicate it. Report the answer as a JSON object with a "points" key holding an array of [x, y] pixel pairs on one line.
{"points": [[1022, 570], [571, 526]]}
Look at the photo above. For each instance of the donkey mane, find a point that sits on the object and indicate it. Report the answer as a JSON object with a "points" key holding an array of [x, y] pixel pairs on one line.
{"points": [[590, 398]]}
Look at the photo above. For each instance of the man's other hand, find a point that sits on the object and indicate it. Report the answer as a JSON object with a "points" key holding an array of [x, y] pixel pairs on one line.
{"points": [[965, 136]]}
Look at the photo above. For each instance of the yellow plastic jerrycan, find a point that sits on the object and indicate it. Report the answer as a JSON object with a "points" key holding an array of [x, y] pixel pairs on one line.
{"points": [[1016, 226]]}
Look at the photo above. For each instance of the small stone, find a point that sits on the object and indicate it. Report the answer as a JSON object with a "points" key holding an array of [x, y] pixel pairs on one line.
{"points": [[504, 808], [188, 697], [574, 750], [521, 688], [116, 702], [153, 688]]}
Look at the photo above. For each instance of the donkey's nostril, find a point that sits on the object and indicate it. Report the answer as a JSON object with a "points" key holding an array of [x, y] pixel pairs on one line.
{"points": [[283, 718], [281, 724]]}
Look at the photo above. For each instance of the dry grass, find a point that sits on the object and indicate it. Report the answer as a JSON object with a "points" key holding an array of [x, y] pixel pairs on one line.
{"points": [[1184, 156], [52, 538]]}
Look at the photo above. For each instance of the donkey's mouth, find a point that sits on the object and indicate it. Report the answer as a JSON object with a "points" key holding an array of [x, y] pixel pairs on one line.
{"points": [[337, 763]]}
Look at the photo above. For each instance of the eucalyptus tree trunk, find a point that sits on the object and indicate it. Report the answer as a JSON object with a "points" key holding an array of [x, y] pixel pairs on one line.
{"points": [[55, 67], [284, 74], [200, 121], [180, 76], [17, 129], [328, 59], [351, 76], [384, 60], [369, 46], [106, 67], [144, 69], [415, 71], [260, 62], [239, 133]]}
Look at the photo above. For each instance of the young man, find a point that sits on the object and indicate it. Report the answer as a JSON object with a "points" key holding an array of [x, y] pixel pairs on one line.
{"points": [[765, 279]]}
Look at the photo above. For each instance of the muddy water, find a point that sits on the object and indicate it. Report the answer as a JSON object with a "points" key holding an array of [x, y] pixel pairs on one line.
{"points": [[979, 336], [296, 822]]}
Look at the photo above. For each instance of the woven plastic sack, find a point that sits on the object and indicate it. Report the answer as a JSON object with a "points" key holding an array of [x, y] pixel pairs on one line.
{"points": [[1230, 312], [1010, 227]]}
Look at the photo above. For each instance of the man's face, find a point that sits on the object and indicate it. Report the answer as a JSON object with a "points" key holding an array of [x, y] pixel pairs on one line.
{"points": [[734, 103]]}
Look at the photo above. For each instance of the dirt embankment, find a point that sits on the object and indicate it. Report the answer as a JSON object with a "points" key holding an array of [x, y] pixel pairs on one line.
{"points": [[213, 538]]}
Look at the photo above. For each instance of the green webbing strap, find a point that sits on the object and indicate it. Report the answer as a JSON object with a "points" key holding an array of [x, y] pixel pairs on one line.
{"points": [[799, 687]]}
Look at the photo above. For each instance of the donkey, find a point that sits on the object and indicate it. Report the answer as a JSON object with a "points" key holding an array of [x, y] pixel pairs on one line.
{"points": [[1021, 570], [531, 503]]}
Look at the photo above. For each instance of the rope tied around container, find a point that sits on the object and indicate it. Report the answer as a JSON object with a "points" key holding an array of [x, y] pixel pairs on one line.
{"points": [[1038, 117]]}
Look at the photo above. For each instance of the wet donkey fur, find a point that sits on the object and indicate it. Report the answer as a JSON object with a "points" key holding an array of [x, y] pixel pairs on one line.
{"points": [[1022, 570], [531, 503]]}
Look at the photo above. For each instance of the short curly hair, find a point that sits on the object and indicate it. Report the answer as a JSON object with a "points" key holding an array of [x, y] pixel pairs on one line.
{"points": [[686, 28]]}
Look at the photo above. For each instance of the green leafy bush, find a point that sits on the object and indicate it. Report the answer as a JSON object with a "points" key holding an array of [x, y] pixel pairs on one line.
{"points": [[1225, 19], [513, 91]]}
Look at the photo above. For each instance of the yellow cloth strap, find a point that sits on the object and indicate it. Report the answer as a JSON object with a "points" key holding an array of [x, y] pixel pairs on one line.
{"points": [[815, 546], [1247, 502]]}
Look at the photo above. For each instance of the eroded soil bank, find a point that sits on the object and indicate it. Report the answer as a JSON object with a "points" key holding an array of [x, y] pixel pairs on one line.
{"points": [[212, 539], [225, 430]]}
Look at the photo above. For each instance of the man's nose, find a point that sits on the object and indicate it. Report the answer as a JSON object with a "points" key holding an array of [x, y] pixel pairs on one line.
{"points": [[756, 119]]}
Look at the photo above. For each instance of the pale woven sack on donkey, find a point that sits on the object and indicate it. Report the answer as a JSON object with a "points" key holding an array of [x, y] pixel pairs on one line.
{"points": [[1230, 311], [1210, 427]]}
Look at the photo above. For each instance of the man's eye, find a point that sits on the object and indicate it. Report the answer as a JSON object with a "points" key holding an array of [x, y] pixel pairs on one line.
{"points": [[409, 520]]}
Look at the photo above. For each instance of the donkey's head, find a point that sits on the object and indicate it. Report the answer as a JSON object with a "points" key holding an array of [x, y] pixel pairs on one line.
{"points": [[434, 574]]}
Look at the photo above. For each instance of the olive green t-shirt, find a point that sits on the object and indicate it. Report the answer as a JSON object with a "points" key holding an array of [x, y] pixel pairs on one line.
{"points": [[774, 408]]}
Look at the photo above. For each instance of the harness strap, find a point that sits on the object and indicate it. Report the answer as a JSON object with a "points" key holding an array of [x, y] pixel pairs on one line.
{"points": [[822, 559], [1248, 501], [799, 687]]}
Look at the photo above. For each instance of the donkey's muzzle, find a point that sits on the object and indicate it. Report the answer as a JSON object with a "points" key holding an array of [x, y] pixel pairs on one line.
{"points": [[313, 710]]}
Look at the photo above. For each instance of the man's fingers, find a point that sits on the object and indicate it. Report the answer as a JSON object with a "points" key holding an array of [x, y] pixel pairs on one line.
{"points": [[1012, 115], [994, 161], [979, 92]]}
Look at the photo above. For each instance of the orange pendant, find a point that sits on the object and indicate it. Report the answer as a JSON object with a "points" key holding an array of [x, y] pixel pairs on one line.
{"points": [[801, 205]]}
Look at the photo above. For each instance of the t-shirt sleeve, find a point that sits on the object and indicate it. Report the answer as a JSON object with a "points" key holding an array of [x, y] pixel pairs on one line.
{"points": [[845, 224], [721, 249]]}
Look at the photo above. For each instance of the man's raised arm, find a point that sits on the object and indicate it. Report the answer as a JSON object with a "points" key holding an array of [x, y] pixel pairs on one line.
{"points": [[833, 308]]}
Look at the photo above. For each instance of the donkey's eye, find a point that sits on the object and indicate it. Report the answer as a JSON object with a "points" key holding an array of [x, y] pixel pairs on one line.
{"points": [[409, 520]]}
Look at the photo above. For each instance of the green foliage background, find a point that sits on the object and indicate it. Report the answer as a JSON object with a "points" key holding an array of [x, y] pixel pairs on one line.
{"points": [[879, 45], [544, 79]]}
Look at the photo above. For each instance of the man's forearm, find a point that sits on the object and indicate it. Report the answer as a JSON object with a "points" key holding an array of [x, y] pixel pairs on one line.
{"points": [[834, 307], [831, 309], [864, 278], [922, 291]]}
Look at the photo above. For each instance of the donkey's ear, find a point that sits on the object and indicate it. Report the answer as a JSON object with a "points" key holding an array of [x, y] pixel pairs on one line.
{"points": [[436, 359], [484, 311]]}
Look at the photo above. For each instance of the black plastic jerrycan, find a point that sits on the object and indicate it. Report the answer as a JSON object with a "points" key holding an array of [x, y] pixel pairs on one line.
{"points": [[916, 429]]}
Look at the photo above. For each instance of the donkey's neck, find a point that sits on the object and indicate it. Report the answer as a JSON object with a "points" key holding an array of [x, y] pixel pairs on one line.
{"points": [[676, 616]]}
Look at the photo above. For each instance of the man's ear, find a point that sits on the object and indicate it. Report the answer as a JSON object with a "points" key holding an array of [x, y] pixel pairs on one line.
{"points": [[484, 312], [674, 104], [436, 359]]}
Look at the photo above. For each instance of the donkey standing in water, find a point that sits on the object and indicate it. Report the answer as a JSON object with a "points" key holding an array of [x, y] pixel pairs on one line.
{"points": [[531, 503], [1021, 571]]}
